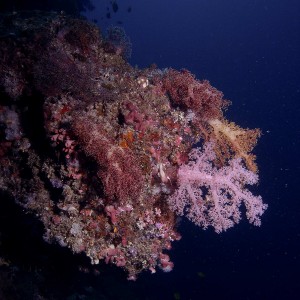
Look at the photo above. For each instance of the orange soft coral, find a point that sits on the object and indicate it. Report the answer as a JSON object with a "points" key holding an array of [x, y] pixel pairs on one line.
{"points": [[231, 138]]}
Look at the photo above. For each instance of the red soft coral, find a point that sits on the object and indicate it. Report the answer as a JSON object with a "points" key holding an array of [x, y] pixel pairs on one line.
{"points": [[190, 93]]}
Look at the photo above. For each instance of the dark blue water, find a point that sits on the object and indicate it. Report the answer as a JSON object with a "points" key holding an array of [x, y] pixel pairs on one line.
{"points": [[249, 49]]}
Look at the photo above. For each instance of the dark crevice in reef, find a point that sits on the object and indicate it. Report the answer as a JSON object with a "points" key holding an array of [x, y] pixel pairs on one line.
{"points": [[33, 125]]}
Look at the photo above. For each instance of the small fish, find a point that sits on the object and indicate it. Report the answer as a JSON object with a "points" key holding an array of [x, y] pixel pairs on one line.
{"points": [[115, 6]]}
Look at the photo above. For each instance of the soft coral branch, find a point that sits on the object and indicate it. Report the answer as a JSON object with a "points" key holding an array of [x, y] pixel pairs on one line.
{"points": [[211, 196], [232, 138]]}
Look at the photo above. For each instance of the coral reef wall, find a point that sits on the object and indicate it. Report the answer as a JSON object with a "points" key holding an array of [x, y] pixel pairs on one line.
{"points": [[100, 151]]}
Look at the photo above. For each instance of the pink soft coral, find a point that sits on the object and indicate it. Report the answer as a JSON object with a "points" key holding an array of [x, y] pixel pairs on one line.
{"points": [[210, 196]]}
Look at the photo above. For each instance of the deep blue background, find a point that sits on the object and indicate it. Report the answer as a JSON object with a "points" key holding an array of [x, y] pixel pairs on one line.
{"points": [[250, 50]]}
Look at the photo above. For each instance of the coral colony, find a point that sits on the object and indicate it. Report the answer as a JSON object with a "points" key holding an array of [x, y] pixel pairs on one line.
{"points": [[104, 154]]}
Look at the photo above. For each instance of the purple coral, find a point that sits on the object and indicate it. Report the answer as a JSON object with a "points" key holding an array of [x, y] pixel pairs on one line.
{"points": [[210, 196]]}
